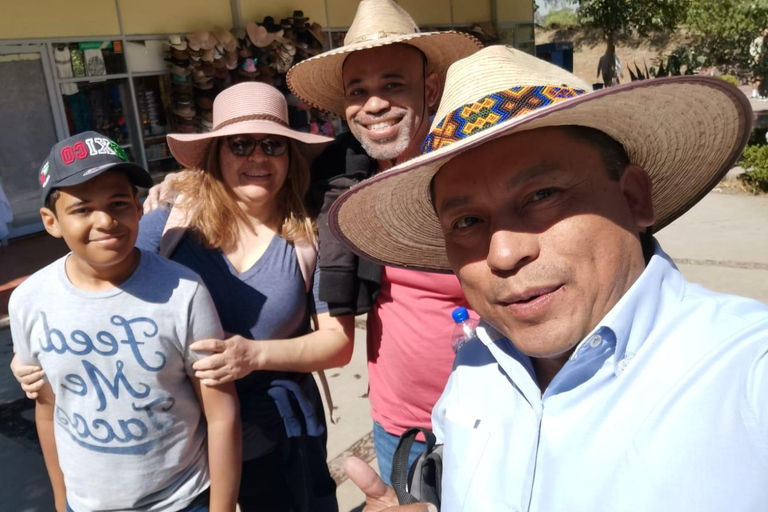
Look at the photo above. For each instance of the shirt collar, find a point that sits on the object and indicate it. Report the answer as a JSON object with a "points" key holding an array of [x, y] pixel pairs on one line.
{"points": [[637, 312], [630, 320]]}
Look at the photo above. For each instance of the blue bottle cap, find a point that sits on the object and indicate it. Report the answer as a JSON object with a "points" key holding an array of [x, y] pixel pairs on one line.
{"points": [[460, 314]]}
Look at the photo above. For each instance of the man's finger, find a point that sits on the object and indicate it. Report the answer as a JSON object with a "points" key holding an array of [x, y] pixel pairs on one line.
{"points": [[31, 378], [212, 383], [209, 345], [153, 199], [221, 374], [33, 387], [367, 480], [32, 396], [209, 363], [23, 370]]}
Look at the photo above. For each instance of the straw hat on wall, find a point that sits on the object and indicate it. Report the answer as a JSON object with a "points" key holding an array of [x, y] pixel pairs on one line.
{"points": [[318, 81], [686, 132]]}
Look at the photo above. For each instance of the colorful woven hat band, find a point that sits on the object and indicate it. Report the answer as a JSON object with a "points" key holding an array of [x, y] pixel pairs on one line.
{"points": [[492, 110]]}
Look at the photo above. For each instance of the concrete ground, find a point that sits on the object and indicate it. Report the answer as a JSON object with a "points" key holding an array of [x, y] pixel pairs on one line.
{"points": [[721, 243]]}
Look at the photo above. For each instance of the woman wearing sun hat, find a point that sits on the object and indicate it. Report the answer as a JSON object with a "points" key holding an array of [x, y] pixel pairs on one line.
{"points": [[244, 229]]}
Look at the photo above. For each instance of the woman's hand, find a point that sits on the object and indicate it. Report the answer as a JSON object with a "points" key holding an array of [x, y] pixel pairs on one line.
{"points": [[31, 378], [162, 192], [232, 359]]}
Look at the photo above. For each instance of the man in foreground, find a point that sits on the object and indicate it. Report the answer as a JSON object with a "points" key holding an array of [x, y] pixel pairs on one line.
{"points": [[600, 379]]}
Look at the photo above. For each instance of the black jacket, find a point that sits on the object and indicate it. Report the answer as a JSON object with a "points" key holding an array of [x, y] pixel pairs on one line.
{"points": [[348, 284]]}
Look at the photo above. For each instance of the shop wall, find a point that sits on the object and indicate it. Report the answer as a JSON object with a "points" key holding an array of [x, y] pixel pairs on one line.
{"points": [[255, 10], [31, 19], [515, 10], [469, 11], [341, 12], [428, 12], [71, 18], [169, 16]]}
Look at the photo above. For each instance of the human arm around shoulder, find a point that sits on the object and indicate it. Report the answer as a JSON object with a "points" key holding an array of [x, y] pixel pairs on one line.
{"points": [[329, 346], [44, 411], [24, 365], [163, 192], [222, 413]]}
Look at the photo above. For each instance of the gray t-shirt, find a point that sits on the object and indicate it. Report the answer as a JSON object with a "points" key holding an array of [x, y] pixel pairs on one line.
{"points": [[128, 425]]}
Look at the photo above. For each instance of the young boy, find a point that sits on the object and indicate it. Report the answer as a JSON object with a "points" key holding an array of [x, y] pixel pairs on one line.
{"points": [[119, 420]]}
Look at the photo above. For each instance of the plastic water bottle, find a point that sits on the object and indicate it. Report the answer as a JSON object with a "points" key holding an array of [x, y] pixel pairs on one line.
{"points": [[464, 330]]}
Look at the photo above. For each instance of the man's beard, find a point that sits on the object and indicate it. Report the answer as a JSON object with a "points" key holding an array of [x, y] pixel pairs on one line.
{"points": [[390, 151]]}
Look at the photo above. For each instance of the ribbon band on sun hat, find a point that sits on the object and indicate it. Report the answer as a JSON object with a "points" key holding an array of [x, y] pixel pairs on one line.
{"points": [[491, 110], [686, 132], [318, 81], [248, 107]]}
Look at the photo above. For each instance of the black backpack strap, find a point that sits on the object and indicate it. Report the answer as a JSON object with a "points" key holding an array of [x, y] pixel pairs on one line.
{"points": [[400, 469]]}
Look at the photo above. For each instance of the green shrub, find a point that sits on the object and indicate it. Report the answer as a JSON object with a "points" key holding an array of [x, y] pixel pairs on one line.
{"points": [[562, 18], [755, 163], [731, 80]]}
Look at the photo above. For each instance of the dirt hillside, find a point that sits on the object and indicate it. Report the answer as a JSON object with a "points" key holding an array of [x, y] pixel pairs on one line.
{"points": [[588, 46]]}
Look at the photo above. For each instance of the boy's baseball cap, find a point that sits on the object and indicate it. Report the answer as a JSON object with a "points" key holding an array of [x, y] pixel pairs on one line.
{"points": [[84, 156]]}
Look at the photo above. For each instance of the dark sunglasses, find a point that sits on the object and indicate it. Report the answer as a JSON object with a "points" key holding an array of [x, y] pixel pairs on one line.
{"points": [[244, 145]]}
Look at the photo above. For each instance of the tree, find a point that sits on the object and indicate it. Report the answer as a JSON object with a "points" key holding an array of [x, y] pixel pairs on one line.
{"points": [[618, 17], [724, 29]]}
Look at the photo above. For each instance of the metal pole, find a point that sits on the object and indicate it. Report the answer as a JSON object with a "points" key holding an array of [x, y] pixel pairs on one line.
{"points": [[237, 14], [134, 125]]}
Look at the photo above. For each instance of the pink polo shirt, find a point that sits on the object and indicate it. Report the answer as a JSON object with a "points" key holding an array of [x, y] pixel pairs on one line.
{"points": [[409, 348]]}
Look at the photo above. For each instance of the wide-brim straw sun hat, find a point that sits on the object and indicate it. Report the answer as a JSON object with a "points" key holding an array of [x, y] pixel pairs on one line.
{"points": [[686, 132], [318, 81], [250, 107]]}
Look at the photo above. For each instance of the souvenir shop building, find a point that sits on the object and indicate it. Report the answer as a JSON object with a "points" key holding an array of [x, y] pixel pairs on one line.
{"points": [[135, 70]]}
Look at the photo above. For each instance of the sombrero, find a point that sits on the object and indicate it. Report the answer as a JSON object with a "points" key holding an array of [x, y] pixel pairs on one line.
{"points": [[318, 81], [249, 107], [686, 132]]}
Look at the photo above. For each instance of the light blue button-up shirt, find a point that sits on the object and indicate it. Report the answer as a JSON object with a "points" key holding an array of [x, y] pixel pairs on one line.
{"points": [[664, 406]]}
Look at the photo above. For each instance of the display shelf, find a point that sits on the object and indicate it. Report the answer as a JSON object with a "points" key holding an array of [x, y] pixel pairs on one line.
{"points": [[155, 139], [91, 79], [142, 74], [159, 159]]}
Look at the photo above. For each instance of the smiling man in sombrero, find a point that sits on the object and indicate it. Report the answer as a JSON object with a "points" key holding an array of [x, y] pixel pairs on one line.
{"points": [[600, 379], [384, 82]]}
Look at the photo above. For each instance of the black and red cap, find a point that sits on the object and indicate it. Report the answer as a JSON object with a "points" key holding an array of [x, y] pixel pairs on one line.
{"points": [[84, 156]]}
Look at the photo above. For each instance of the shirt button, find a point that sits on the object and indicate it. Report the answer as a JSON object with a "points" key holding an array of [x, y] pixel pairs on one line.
{"points": [[624, 363], [595, 341]]}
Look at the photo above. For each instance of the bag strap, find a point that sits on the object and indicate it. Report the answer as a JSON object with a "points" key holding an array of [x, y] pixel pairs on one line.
{"points": [[306, 253], [174, 230], [400, 469]]}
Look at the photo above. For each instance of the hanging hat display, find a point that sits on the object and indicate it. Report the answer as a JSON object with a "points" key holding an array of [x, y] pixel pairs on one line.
{"points": [[204, 62]]}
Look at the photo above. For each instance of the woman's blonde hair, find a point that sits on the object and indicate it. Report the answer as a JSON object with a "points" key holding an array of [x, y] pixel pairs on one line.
{"points": [[213, 213]]}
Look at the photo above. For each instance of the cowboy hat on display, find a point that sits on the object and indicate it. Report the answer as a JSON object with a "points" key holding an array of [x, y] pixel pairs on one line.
{"points": [[177, 42], [318, 81], [226, 39], [259, 35], [250, 107], [686, 132]]}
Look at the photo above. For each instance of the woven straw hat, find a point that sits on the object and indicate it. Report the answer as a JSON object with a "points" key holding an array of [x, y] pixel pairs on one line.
{"points": [[249, 107], [318, 81], [686, 132]]}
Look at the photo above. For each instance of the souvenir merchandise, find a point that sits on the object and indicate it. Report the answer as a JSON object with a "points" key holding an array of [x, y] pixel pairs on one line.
{"points": [[78, 62], [203, 63]]}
